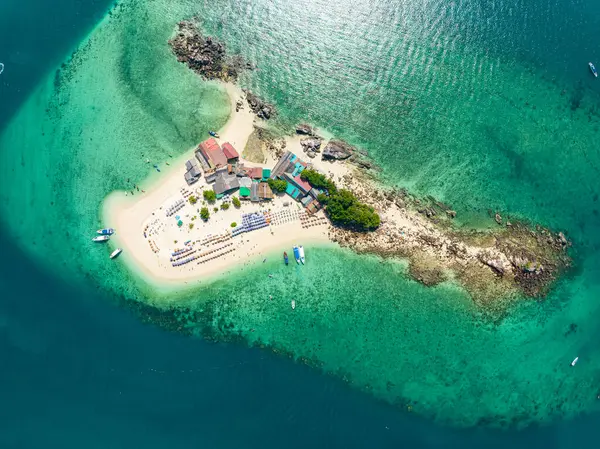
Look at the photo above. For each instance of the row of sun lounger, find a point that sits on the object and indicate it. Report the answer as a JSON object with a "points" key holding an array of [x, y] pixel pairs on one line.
{"points": [[184, 255], [216, 256], [175, 207]]}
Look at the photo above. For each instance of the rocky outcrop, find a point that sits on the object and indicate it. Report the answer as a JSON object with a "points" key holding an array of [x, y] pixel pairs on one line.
{"points": [[311, 144], [305, 129], [338, 150], [205, 55], [261, 108]]}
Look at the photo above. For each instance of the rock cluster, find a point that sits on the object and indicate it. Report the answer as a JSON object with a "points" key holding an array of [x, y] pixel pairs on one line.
{"points": [[261, 108], [338, 150], [205, 55], [311, 146]]}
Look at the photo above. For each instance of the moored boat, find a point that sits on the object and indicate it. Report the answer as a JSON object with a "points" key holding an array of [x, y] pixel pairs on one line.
{"points": [[106, 231], [115, 253], [574, 362], [593, 69], [293, 303], [297, 255], [301, 252], [285, 258], [101, 238]]}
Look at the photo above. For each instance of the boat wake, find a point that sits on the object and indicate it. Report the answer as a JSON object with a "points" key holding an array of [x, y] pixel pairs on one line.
{"points": [[1, 68]]}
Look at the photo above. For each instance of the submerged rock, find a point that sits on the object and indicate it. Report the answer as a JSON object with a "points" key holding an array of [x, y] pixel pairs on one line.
{"points": [[338, 150]]}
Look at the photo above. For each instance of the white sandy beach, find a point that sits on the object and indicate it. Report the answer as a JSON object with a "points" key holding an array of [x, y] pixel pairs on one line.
{"points": [[149, 238]]}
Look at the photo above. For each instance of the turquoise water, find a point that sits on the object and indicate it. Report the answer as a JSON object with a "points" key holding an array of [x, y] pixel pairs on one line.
{"points": [[449, 99]]}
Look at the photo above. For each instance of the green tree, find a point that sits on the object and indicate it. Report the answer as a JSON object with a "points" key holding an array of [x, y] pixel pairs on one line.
{"points": [[193, 200], [344, 209], [209, 195], [204, 213], [215, 209], [277, 185], [233, 224], [319, 181], [236, 202], [224, 206]]}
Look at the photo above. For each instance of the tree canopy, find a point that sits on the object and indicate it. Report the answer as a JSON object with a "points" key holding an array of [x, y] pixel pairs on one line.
{"points": [[277, 185], [342, 207], [209, 195], [204, 213], [318, 180]]}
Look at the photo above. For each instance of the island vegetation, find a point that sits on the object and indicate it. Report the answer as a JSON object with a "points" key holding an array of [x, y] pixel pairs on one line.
{"points": [[204, 213], [277, 185], [210, 196], [341, 205]]}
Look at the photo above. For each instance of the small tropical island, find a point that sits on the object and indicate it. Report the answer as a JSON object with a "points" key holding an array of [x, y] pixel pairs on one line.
{"points": [[246, 193]]}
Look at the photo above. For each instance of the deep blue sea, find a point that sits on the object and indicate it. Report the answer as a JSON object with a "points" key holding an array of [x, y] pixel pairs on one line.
{"points": [[78, 371]]}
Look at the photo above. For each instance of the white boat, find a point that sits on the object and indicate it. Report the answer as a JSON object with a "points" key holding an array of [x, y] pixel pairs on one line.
{"points": [[593, 69], [106, 231], [301, 251], [101, 238], [293, 304], [574, 362], [115, 253]]}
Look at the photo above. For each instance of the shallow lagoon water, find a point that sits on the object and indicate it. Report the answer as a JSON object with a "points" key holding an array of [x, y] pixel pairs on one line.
{"points": [[438, 101]]}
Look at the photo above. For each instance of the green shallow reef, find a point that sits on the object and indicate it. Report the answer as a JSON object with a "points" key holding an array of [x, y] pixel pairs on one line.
{"points": [[441, 112]]}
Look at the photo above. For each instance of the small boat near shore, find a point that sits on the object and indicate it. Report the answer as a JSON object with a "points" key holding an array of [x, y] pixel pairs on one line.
{"points": [[297, 255], [106, 231], [214, 134], [593, 69], [301, 252], [293, 304], [101, 238], [285, 258], [116, 253], [574, 362]]}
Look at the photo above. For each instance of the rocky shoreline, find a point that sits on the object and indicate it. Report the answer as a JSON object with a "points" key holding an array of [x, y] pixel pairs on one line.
{"points": [[511, 261]]}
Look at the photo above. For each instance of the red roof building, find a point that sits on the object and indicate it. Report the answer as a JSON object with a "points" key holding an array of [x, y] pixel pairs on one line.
{"points": [[255, 172], [230, 152], [213, 153], [302, 184]]}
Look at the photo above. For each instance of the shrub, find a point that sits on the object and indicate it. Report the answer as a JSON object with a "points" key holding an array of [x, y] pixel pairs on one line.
{"points": [[277, 185], [204, 213], [215, 209], [233, 224], [209, 196], [224, 206], [318, 181], [344, 209], [191, 225], [236, 201], [192, 199]]}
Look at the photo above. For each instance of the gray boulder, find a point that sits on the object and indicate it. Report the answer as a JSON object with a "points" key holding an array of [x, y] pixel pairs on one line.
{"points": [[304, 129], [337, 150], [311, 144]]}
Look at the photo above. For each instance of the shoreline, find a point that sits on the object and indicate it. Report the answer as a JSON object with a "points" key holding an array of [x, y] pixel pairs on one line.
{"points": [[129, 214], [504, 263]]}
